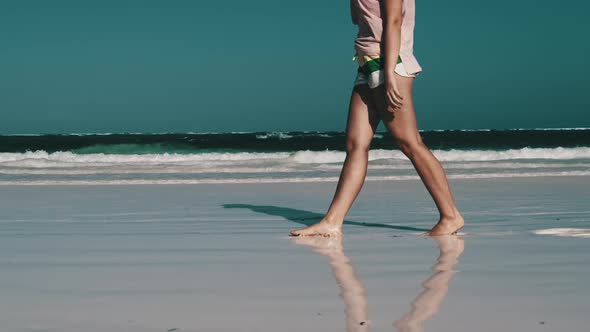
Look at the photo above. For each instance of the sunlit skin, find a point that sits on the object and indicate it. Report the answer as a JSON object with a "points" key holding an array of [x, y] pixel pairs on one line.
{"points": [[391, 103]]}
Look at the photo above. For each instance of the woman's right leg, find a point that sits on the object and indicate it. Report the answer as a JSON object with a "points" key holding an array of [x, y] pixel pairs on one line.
{"points": [[404, 129], [362, 121]]}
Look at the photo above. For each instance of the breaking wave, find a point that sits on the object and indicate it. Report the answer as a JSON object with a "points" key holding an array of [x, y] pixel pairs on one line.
{"points": [[31, 159], [67, 167]]}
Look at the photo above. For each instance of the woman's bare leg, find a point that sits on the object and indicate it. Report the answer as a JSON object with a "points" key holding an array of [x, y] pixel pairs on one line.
{"points": [[362, 121], [402, 126]]}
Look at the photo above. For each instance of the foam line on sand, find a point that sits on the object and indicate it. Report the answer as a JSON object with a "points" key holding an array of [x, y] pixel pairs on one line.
{"points": [[568, 232]]}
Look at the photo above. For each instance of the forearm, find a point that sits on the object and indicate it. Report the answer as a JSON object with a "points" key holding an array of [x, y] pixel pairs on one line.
{"points": [[392, 31], [392, 45]]}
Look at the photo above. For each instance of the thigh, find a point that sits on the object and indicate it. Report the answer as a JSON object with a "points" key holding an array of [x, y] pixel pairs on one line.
{"points": [[401, 123], [363, 117]]}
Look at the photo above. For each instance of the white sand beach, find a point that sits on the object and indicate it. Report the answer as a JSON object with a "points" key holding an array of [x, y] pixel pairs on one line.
{"points": [[216, 258]]}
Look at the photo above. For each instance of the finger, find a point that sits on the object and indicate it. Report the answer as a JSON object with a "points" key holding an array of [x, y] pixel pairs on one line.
{"points": [[396, 100], [399, 98], [398, 104], [392, 101], [398, 95], [390, 98], [391, 108]]}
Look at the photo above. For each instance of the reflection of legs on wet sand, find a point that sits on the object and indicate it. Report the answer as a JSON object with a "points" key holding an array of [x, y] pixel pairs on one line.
{"points": [[424, 306], [427, 303], [351, 288]]}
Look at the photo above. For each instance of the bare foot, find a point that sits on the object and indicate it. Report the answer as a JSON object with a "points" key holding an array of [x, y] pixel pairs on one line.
{"points": [[447, 226], [322, 228], [327, 246]]}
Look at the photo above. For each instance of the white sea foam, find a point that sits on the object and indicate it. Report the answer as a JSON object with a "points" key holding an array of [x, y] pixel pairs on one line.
{"points": [[53, 159], [40, 167], [454, 155], [302, 157], [146, 170], [468, 165], [558, 153], [277, 134], [568, 232], [280, 180]]}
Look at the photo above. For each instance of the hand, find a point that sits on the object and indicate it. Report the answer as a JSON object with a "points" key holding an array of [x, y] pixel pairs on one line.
{"points": [[394, 97]]}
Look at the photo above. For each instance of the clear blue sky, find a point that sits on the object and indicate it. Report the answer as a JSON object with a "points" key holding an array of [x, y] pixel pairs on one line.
{"points": [[234, 65]]}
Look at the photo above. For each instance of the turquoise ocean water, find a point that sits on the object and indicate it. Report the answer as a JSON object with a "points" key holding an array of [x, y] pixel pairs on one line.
{"points": [[281, 156]]}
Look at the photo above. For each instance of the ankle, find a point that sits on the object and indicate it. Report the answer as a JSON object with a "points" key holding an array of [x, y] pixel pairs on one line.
{"points": [[450, 215], [333, 220]]}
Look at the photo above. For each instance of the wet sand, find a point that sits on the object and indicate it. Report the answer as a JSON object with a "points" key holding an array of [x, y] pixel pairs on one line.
{"points": [[218, 258]]}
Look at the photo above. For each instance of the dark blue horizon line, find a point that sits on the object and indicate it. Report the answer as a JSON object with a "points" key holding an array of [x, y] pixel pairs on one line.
{"points": [[285, 132]]}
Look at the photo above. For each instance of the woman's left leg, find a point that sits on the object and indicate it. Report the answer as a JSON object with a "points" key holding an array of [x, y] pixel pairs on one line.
{"points": [[362, 121], [402, 126]]}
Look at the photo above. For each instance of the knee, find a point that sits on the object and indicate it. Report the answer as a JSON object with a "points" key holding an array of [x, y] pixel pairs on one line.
{"points": [[410, 145], [357, 145]]}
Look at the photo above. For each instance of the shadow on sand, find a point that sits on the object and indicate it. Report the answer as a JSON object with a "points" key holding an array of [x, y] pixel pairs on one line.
{"points": [[308, 218]]}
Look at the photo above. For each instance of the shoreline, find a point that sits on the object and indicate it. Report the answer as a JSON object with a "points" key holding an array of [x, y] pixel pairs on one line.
{"points": [[393, 178]]}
